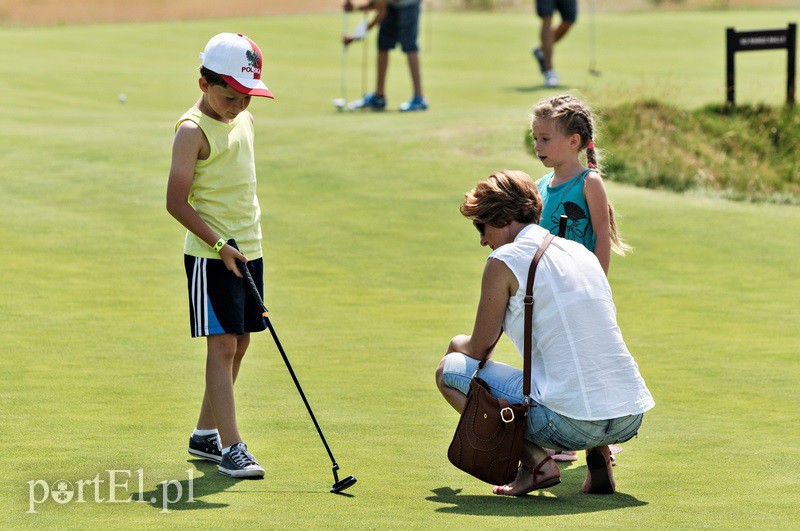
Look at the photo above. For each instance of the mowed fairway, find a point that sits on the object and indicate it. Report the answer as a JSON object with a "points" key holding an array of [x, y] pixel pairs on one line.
{"points": [[370, 270]]}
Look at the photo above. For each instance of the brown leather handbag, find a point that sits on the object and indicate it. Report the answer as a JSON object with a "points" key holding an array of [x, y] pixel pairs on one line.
{"points": [[488, 440]]}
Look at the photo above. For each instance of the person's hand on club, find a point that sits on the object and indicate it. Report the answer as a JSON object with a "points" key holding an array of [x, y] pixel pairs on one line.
{"points": [[347, 39], [347, 5], [229, 257]]}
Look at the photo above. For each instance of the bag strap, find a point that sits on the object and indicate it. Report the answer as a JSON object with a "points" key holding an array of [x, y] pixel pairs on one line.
{"points": [[528, 301]]}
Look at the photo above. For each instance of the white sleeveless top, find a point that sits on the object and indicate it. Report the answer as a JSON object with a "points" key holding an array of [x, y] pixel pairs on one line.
{"points": [[580, 366]]}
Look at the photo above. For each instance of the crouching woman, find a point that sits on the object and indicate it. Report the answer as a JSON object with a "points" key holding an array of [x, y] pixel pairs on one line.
{"points": [[586, 388]]}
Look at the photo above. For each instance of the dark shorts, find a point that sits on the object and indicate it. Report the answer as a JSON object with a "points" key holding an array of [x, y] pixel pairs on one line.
{"points": [[401, 24], [218, 299], [567, 8]]}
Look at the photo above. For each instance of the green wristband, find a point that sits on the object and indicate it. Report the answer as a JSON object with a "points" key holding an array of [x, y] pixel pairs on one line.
{"points": [[219, 245]]}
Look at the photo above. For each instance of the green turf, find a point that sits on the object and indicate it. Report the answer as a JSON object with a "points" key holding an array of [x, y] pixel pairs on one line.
{"points": [[370, 270]]}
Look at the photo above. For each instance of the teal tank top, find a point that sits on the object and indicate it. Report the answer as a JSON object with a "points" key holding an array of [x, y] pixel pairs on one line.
{"points": [[567, 198]]}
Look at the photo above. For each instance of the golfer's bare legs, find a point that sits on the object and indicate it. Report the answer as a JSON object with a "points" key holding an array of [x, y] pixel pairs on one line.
{"points": [[383, 65], [225, 353], [550, 37], [413, 67]]}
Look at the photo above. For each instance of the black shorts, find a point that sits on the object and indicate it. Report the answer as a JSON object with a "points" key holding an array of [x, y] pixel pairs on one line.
{"points": [[567, 8], [218, 300], [401, 24]]}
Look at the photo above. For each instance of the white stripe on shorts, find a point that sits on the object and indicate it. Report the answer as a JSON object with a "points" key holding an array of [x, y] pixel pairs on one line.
{"points": [[200, 297]]}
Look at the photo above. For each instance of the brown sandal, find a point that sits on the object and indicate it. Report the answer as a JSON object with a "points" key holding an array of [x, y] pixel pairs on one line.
{"points": [[536, 472]]}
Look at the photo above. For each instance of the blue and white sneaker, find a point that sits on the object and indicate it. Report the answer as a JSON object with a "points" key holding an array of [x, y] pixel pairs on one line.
{"points": [[206, 447], [538, 54], [239, 463], [369, 101], [417, 103]]}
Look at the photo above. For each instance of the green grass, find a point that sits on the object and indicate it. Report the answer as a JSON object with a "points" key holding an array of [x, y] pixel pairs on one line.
{"points": [[370, 270], [749, 153]]}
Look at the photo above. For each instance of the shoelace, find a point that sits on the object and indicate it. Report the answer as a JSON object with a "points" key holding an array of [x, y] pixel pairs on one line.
{"points": [[213, 441], [242, 457]]}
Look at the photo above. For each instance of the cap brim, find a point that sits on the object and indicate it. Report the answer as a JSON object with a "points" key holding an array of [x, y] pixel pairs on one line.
{"points": [[249, 86]]}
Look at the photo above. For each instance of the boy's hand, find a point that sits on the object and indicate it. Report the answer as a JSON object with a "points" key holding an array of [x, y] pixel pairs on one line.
{"points": [[347, 5], [229, 256]]}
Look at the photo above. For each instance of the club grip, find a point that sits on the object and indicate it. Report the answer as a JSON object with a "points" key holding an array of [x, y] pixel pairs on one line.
{"points": [[562, 226], [248, 279]]}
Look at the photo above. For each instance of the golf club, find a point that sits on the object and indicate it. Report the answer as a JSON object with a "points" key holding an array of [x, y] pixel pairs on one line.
{"points": [[592, 39], [562, 225], [338, 485], [341, 101], [364, 55]]}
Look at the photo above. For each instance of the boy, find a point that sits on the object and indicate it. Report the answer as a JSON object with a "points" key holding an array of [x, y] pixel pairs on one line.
{"points": [[212, 192], [399, 21], [549, 36]]}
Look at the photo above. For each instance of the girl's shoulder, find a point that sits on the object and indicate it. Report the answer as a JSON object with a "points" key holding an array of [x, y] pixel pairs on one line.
{"points": [[592, 178]]}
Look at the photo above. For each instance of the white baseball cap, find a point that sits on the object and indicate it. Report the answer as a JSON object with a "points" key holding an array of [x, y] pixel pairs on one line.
{"points": [[238, 61]]}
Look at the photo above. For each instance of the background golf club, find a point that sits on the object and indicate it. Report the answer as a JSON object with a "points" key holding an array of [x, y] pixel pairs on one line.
{"points": [[338, 486], [593, 39], [341, 101]]}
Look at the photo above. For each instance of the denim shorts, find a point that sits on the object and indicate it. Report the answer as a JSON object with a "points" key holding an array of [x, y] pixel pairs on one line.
{"points": [[400, 24], [546, 428], [567, 8]]}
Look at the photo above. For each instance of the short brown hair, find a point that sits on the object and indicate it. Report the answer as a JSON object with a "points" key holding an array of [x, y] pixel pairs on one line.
{"points": [[212, 77], [506, 196]]}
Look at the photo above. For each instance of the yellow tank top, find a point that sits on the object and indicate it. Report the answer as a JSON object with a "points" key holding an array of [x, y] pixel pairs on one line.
{"points": [[223, 190]]}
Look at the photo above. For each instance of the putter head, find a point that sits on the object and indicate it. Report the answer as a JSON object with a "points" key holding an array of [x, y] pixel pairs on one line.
{"points": [[343, 484], [340, 103]]}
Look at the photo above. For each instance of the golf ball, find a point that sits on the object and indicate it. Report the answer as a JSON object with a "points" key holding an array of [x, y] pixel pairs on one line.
{"points": [[123, 98]]}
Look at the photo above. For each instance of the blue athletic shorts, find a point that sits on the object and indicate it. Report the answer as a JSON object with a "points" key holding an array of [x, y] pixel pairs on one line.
{"points": [[546, 428], [567, 8], [401, 24], [218, 300]]}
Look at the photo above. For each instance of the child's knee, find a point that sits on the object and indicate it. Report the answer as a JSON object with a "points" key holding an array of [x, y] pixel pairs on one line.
{"points": [[242, 342], [222, 346]]}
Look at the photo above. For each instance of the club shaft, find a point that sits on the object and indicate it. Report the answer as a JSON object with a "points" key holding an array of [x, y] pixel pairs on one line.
{"points": [[344, 57], [562, 226], [299, 388], [364, 60], [251, 287]]}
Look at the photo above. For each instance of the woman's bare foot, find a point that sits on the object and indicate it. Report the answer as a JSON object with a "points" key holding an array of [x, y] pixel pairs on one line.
{"points": [[599, 474], [545, 474]]}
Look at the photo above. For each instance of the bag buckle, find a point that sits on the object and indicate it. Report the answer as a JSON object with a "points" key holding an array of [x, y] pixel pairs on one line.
{"points": [[503, 416], [528, 300]]}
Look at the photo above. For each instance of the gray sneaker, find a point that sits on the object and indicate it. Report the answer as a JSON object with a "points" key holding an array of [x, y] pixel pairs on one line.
{"points": [[206, 447], [239, 463]]}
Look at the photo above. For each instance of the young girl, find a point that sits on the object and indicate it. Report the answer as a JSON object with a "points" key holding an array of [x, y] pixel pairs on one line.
{"points": [[562, 128]]}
